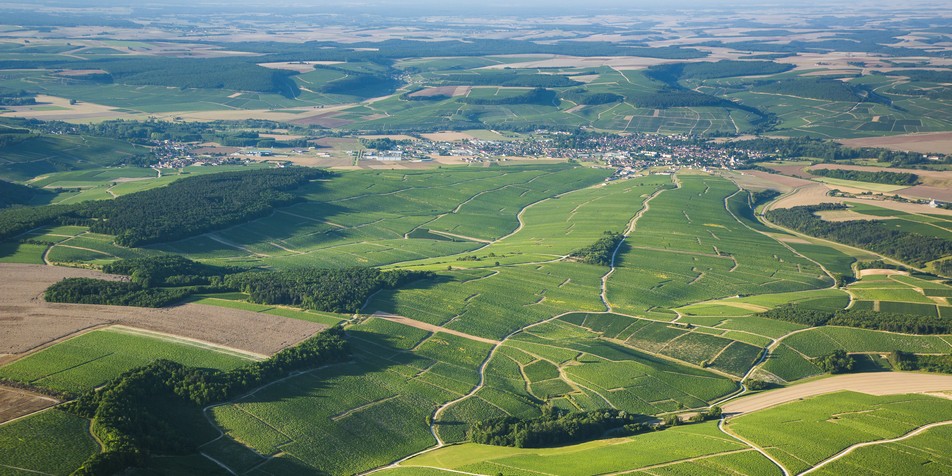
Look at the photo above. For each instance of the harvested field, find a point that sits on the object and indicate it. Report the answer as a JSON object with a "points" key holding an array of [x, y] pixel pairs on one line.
{"points": [[299, 66], [758, 180], [807, 195], [937, 178], [28, 322], [847, 215], [452, 91], [817, 193], [52, 108], [447, 136], [940, 142], [929, 192], [324, 120], [875, 383], [15, 403], [791, 170], [882, 272], [389, 136]]}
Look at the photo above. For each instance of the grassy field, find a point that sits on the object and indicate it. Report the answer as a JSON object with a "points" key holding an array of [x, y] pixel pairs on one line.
{"points": [[91, 359], [790, 432]]}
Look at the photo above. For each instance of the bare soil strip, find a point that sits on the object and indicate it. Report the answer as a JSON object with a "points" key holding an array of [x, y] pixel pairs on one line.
{"points": [[430, 327], [16, 403], [873, 383], [27, 322]]}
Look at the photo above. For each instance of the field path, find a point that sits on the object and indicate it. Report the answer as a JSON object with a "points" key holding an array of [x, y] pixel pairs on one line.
{"points": [[873, 383], [430, 327], [849, 450]]}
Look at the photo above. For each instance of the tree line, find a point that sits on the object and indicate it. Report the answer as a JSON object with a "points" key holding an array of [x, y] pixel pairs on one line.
{"points": [[558, 427], [158, 282], [904, 246], [332, 290], [930, 363], [890, 178], [184, 208], [158, 408], [537, 96], [862, 318], [600, 252], [827, 151], [114, 293]]}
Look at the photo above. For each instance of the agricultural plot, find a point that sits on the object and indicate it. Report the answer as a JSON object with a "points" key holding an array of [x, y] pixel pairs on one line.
{"points": [[358, 415], [901, 294], [50, 442], [790, 432], [694, 346], [91, 359], [373, 218], [493, 304], [820, 341], [595, 457], [920, 454], [689, 248]]}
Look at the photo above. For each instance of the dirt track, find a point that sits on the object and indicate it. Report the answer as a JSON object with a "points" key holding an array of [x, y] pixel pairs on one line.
{"points": [[873, 383], [28, 322], [430, 327]]}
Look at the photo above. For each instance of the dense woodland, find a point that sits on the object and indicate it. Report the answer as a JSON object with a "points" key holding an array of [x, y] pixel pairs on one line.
{"points": [[510, 79], [818, 88], [184, 208], [170, 270], [556, 428], [672, 73], [929, 363], [157, 282], [157, 408], [333, 290], [584, 97], [837, 362], [537, 96], [115, 293], [829, 151], [908, 247], [866, 319], [891, 178], [601, 251]]}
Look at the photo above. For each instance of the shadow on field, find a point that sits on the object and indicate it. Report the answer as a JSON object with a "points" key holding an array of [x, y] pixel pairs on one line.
{"points": [[338, 405]]}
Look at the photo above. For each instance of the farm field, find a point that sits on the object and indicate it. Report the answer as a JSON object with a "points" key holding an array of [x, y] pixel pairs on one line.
{"points": [[601, 456], [50, 442], [91, 359], [434, 240], [900, 293], [705, 258], [843, 419]]}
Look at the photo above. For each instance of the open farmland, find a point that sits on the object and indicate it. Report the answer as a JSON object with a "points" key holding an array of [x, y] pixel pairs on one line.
{"points": [[91, 359], [689, 247], [30, 322], [50, 442], [561, 232], [843, 419], [371, 218]]}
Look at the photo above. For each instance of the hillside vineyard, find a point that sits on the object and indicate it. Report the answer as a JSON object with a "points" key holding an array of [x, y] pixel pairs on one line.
{"points": [[427, 238]]}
